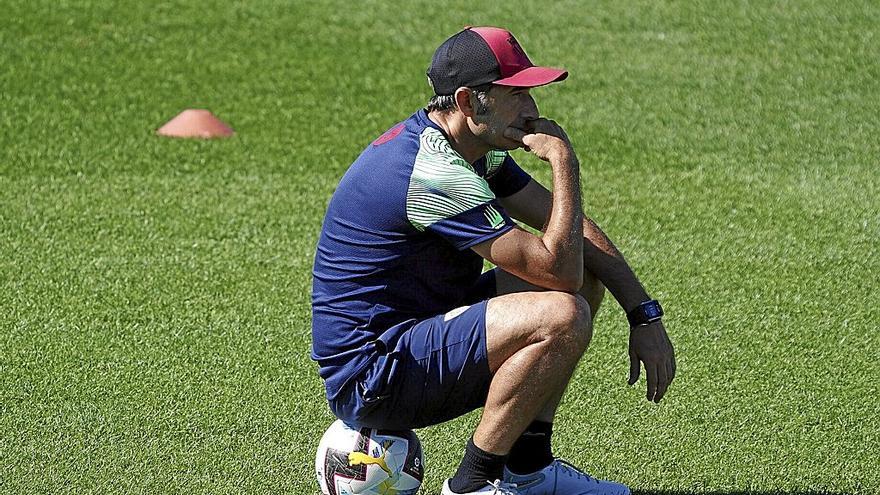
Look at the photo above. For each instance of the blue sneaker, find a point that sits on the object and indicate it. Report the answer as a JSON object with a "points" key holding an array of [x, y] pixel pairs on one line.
{"points": [[561, 478], [496, 488]]}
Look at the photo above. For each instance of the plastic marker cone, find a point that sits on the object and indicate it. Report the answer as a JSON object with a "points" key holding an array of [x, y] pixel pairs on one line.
{"points": [[193, 123]]}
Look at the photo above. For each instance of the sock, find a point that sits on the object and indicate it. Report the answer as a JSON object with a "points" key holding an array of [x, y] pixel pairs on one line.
{"points": [[476, 468], [531, 452]]}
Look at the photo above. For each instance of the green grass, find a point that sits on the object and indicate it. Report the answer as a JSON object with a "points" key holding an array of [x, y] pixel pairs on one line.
{"points": [[155, 293]]}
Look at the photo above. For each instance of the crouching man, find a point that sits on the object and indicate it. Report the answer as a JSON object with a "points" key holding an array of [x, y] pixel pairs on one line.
{"points": [[408, 332]]}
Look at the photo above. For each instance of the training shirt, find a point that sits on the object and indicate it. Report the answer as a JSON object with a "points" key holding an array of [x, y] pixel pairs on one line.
{"points": [[395, 243]]}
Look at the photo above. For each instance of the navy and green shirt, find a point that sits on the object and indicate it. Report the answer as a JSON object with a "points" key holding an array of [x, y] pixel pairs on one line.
{"points": [[395, 242]]}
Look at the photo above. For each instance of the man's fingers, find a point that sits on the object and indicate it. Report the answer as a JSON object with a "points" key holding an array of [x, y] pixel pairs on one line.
{"points": [[518, 135], [633, 368], [542, 125], [651, 374], [662, 383]]}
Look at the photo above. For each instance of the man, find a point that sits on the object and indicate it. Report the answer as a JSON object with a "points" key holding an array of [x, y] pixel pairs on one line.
{"points": [[406, 330]]}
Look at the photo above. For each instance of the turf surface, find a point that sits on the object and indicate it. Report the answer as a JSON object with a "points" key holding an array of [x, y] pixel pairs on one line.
{"points": [[155, 293]]}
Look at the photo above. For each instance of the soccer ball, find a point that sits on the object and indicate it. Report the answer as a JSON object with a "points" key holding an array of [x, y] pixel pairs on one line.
{"points": [[367, 461]]}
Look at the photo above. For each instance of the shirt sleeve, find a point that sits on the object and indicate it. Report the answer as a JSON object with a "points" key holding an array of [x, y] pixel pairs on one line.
{"points": [[447, 197], [471, 227], [504, 175]]}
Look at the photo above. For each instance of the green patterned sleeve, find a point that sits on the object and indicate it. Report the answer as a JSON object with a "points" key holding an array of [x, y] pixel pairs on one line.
{"points": [[446, 196]]}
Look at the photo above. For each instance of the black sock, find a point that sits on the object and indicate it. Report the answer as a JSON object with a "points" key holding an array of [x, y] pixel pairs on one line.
{"points": [[531, 452], [476, 468]]}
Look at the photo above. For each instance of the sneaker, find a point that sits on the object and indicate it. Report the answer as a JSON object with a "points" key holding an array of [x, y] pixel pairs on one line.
{"points": [[561, 478], [497, 488]]}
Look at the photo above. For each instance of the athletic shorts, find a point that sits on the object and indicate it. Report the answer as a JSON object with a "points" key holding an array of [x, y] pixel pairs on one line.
{"points": [[434, 371]]}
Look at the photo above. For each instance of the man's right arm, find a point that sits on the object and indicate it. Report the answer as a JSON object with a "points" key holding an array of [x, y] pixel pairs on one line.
{"points": [[554, 260]]}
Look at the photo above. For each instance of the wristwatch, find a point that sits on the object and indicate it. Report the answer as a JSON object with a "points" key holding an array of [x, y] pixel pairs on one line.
{"points": [[647, 312]]}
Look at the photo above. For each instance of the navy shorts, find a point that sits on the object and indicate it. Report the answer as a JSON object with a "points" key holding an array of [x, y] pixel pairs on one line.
{"points": [[437, 370]]}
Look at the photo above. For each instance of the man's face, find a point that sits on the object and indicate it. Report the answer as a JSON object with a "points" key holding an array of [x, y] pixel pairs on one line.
{"points": [[507, 107]]}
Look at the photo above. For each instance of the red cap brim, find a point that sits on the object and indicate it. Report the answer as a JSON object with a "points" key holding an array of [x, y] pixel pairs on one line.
{"points": [[533, 76]]}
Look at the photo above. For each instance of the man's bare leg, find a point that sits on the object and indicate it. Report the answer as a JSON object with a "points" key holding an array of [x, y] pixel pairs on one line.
{"points": [[592, 291], [534, 340]]}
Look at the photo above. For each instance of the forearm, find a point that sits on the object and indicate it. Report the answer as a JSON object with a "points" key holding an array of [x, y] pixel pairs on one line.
{"points": [[604, 261], [563, 236]]}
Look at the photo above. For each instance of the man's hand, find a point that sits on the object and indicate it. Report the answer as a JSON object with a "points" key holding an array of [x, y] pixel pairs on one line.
{"points": [[543, 137], [650, 345]]}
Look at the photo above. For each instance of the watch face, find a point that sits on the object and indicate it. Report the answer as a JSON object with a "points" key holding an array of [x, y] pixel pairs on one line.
{"points": [[652, 310]]}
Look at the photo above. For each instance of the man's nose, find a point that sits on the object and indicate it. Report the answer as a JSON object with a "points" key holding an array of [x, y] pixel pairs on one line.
{"points": [[530, 112]]}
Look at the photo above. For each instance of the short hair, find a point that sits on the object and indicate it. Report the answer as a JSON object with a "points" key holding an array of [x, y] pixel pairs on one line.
{"points": [[446, 103]]}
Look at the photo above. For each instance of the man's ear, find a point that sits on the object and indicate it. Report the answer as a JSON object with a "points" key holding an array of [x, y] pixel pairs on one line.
{"points": [[463, 101]]}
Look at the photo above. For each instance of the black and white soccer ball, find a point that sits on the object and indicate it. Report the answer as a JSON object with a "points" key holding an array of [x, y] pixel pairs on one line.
{"points": [[368, 461]]}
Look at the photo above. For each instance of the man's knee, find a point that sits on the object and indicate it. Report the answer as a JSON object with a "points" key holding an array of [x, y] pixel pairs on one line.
{"points": [[568, 318], [559, 321]]}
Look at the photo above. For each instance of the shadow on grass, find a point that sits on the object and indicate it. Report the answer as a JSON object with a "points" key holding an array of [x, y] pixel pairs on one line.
{"points": [[746, 492]]}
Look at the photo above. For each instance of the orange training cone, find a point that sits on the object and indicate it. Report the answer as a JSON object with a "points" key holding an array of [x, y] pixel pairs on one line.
{"points": [[193, 123]]}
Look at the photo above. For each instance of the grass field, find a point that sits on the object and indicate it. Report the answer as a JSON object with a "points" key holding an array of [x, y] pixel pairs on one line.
{"points": [[154, 293]]}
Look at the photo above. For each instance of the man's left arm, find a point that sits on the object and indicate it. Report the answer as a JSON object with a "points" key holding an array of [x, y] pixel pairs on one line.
{"points": [[649, 344], [531, 205]]}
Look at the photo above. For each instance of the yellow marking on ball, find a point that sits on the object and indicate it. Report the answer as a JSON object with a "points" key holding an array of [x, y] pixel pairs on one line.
{"points": [[356, 458]]}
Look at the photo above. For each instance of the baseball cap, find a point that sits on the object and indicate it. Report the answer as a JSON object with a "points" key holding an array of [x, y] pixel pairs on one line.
{"points": [[482, 55]]}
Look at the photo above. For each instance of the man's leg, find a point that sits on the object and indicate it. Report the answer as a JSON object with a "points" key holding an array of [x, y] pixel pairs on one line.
{"points": [[592, 291], [531, 450], [534, 341], [531, 464]]}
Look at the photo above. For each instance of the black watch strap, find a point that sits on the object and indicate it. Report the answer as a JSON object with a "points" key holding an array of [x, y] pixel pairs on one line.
{"points": [[647, 312]]}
